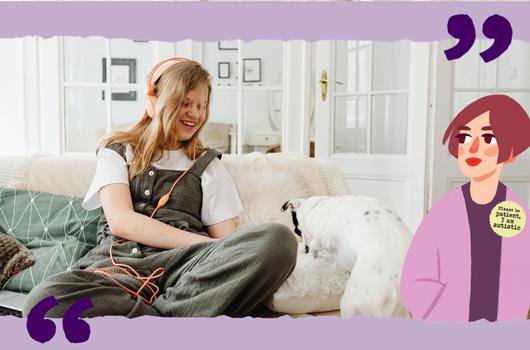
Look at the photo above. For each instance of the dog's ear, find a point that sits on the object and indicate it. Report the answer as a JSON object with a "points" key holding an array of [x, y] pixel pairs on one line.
{"points": [[292, 203], [286, 205]]}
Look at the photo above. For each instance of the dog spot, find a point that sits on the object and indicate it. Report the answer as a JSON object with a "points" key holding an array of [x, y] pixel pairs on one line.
{"points": [[366, 213], [367, 220], [377, 212]]}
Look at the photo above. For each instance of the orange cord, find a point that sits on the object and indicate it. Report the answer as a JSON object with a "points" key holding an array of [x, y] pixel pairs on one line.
{"points": [[153, 288], [130, 271], [165, 198]]}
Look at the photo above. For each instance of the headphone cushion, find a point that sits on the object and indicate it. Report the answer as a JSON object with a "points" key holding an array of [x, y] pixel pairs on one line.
{"points": [[150, 103], [152, 77]]}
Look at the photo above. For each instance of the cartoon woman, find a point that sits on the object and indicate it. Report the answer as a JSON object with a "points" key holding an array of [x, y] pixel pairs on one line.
{"points": [[469, 259], [167, 239]]}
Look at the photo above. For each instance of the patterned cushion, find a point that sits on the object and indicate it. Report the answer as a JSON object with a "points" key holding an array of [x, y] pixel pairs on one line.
{"points": [[56, 229]]}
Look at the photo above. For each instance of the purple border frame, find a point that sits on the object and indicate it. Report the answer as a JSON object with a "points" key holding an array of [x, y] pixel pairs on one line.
{"points": [[387, 21], [269, 20], [324, 332]]}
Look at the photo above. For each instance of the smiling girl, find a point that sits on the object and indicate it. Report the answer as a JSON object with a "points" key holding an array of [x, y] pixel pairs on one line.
{"points": [[460, 266], [167, 238]]}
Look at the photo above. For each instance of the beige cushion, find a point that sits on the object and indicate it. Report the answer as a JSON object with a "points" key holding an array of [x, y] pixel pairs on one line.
{"points": [[335, 185], [13, 169], [68, 175]]}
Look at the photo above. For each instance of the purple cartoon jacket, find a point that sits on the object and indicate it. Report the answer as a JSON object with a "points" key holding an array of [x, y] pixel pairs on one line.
{"points": [[436, 277]]}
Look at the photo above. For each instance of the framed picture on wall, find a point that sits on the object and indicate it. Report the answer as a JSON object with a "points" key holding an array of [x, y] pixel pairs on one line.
{"points": [[223, 70], [227, 45], [123, 72], [251, 70]]}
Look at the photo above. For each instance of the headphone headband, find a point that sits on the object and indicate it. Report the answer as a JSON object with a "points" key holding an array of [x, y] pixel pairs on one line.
{"points": [[155, 74]]}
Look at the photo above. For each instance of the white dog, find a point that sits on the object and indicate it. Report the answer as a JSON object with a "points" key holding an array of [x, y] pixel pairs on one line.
{"points": [[362, 235]]}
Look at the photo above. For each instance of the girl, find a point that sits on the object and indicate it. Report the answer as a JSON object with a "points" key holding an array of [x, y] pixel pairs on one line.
{"points": [[166, 240], [466, 262]]}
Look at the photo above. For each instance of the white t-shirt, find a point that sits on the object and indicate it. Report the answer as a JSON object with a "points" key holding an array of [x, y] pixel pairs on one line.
{"points": [[220, 199]]}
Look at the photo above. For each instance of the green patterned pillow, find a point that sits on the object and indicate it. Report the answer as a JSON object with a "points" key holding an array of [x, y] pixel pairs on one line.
{"points": [[56, 229]]}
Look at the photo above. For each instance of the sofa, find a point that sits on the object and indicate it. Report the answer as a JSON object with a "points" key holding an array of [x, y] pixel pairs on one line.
{"points": [[264, 183]]}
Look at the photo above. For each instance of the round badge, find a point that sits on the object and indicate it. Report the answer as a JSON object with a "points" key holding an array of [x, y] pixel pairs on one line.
{"points": [[507, 219]]}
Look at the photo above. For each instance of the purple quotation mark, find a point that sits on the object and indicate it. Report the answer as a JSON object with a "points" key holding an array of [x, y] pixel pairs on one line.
{"points": [[495, 27], [75, 329]]}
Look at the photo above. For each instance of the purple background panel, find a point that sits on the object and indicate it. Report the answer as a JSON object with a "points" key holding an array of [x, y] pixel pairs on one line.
{"points": [[169, 21], [420, 21], [275, 334]]}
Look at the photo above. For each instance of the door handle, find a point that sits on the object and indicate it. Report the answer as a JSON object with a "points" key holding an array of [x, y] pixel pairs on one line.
{"points": [[323, 85]]}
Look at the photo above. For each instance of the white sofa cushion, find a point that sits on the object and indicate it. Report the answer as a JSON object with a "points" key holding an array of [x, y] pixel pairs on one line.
{"points": [[68, 175], [13, 169], [266, 182], [335, 185]]}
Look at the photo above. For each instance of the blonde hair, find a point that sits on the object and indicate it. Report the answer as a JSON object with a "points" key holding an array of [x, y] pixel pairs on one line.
{"points": [[149, 135]]}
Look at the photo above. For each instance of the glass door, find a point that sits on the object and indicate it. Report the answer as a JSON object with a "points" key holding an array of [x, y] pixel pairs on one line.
{"points": [[371, 119]]}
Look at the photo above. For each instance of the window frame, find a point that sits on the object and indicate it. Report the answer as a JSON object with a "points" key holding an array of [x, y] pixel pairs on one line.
{"points": [[369, 94]]}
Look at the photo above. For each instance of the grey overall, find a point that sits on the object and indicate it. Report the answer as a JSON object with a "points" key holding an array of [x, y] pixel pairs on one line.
{"points": [[232, 276]]}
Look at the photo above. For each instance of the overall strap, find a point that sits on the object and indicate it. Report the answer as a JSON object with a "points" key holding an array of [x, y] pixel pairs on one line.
{"points": [[204, 160], [118, 148]]}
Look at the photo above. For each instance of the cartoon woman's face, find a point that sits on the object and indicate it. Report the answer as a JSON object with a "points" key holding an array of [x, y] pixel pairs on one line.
{"points": [[477, 149]]}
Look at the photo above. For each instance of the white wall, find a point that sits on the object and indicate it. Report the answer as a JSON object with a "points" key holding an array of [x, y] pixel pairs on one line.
{"points": [[12, 112]]}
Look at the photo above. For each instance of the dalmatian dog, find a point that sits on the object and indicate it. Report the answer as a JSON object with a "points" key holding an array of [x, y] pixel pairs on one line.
{"points": [[363, 236]]}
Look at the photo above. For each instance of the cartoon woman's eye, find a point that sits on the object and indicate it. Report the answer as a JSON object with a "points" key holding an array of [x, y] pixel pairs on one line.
{"points": [[463, 138], [490, 139]]}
